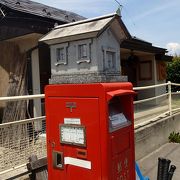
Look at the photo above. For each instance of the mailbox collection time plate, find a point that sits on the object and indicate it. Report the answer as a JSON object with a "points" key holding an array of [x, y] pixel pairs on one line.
{"points": [[72, 134]]}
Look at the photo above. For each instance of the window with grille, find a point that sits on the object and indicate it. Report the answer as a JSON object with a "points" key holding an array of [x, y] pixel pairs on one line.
{"points": [[82, 51], [60, 54], [110, 60]]}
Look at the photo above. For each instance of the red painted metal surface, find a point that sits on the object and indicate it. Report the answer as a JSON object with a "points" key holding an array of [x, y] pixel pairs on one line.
{"points": [[109, 151]]}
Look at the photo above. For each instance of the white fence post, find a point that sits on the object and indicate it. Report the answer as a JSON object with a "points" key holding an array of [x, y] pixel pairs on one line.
{"points": [[170, 98]]}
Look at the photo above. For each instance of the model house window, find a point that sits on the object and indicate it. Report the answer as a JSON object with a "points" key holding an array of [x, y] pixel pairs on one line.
{"points": [[60, 54], [110, 58], [83, 51], [83, 54]]}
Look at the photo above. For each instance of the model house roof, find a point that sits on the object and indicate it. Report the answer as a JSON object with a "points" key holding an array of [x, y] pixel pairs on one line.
{"points": [[86, 29], [41, 10]]}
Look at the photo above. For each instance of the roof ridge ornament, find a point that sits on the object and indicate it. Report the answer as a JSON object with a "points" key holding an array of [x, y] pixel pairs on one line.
{"points": [[119, 10], [18, 3], [44, 10]]}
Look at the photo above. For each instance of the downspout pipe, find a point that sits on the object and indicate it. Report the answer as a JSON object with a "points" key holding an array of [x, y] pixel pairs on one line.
{"points": [[29, 68], [29, 77]]}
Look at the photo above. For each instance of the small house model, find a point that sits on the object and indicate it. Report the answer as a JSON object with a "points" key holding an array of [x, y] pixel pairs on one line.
{"points": [[86, 51]]}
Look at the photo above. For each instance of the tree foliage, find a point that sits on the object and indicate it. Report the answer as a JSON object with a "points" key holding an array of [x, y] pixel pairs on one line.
{"points": [[173, 72]]}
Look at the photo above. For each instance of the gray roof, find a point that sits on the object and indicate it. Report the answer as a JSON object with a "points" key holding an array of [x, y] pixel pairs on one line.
{"points": [[41, 10], [84, 29]]}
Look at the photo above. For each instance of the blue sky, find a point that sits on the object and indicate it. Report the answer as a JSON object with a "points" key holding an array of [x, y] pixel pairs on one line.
{"points": [[156, 21]]}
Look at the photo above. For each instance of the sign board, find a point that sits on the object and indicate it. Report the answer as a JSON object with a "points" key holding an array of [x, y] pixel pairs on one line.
{"points": [[72, 134]]}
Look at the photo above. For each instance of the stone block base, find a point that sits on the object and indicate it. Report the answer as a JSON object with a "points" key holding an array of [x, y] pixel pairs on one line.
{"points": [[86, 78]]}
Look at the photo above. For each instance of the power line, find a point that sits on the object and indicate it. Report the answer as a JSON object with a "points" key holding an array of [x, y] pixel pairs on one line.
{"points": [[118, 3], [131, 19]]}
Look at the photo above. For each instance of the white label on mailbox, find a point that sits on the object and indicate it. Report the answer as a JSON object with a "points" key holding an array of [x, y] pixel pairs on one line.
{"points": [[77, 162], [72, 135], [72, 121]]}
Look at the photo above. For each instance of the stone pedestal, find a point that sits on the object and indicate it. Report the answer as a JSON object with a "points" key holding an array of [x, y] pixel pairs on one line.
{"points": [[81, 78]]}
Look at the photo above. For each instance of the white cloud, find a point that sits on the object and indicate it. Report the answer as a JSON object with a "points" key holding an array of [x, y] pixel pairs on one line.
{"points": [[156, 10], [173, 48]]}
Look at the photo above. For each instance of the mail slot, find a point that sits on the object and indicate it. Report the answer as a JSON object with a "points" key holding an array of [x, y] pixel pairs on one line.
{"points": [[90, 131]]}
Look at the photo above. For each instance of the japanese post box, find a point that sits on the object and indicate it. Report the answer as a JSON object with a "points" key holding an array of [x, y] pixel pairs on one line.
{"points": [[90, 131]]}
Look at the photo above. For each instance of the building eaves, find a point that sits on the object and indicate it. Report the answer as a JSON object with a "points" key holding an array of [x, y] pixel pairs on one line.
{"points": [[136, 44], [136, 39]]}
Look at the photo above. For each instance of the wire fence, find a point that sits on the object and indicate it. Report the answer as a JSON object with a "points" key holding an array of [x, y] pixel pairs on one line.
{"points": [[22, 138], [19, 140]]}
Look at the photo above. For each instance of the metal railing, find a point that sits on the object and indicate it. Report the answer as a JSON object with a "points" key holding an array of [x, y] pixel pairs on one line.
{"points": [[20, 139], [152, 108]]}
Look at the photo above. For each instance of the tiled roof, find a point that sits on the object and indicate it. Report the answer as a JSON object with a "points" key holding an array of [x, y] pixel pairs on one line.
{"points": [[85, 29], [41, 10]]}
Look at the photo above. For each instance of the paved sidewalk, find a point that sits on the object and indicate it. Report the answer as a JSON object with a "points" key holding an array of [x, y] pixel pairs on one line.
{"points": [[149, 164], [147, 115]]}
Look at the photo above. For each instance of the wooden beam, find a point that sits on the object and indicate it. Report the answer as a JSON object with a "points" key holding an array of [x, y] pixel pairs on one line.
{"points": [[38, 168], [36, 163]]}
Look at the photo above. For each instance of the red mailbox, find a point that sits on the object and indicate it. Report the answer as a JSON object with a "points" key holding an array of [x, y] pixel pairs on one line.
{"points": [[90, 131]]}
